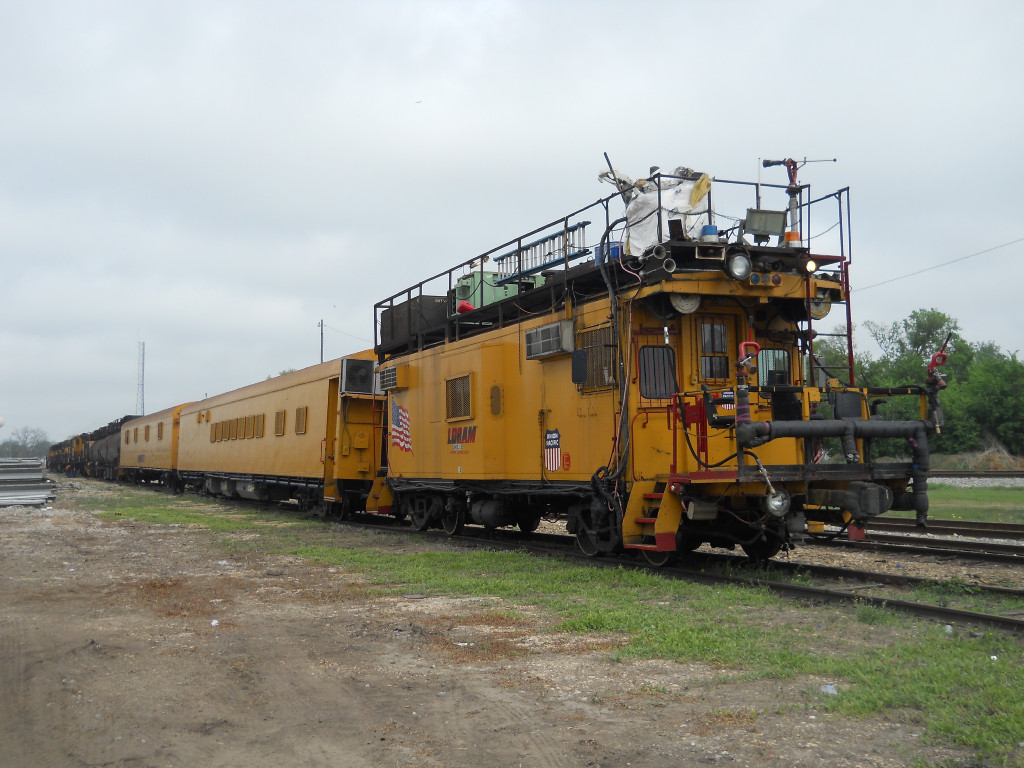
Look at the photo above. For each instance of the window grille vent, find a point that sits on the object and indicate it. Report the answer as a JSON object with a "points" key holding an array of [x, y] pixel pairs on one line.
{"points": [[601, 360], [457, 398]]}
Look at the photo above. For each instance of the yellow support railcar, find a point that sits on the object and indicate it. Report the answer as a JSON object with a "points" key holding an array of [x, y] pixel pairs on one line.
{"points": [[655, 386], [311, 435], [149, 447]]}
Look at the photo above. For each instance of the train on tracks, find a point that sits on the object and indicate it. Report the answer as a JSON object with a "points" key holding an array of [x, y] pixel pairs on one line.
{"points": [[643, 369]]}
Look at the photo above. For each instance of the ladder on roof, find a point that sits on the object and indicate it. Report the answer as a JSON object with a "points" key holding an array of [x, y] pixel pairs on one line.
{"points": [[564, 245]]}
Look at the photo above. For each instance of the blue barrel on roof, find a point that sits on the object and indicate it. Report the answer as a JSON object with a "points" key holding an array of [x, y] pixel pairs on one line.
{"points": [[607, 252]]}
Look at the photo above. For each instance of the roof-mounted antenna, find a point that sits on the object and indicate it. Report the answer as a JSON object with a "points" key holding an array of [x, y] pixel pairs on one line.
{"points": [[792, 167]]}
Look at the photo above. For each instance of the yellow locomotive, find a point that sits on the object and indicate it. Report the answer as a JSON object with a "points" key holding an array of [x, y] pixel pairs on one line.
{"points": [[650, 378]]}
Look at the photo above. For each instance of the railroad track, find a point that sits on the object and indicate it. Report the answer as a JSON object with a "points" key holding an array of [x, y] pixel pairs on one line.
{"points": [[949, 527], [921, 545], [713, 568], [844, 594], [972, 473]]}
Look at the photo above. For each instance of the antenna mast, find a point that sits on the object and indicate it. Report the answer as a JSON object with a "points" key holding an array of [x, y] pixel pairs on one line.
{"points": [[140, 397]]}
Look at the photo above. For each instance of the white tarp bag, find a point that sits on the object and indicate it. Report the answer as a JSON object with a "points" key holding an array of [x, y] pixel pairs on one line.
{"points": [[683, 196]]}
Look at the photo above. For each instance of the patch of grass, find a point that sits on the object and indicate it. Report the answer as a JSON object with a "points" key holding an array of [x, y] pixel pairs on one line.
{"points": [[161, 509], [717, 720], [872, 615], [997, 504], [964, 689], [958, 594]]}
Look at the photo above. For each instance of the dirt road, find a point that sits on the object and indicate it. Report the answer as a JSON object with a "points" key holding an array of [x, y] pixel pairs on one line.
{"points": [[129, 644]]}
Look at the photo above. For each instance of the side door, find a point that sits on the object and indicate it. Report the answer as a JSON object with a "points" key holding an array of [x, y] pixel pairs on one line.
{"points": [[715, 343]]}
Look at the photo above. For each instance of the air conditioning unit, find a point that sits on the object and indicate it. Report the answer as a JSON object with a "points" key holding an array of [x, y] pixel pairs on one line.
{"points": [[396, 377], [550, 340], [358, 377]]}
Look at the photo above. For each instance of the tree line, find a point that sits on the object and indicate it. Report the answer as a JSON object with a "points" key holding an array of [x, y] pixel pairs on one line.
{"points": [[25, 443], [983, 404]]}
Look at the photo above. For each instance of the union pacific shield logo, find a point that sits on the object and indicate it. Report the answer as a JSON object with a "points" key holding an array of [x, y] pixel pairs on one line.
{"points": [[552, 450]]}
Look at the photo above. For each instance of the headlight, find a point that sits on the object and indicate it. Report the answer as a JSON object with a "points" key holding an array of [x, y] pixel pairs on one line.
{"points": [[737, 266], [776, 504], [811, 266], [820, 307]]}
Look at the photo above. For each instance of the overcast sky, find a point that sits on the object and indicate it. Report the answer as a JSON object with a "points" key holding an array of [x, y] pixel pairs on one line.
{"points": [[214, 178]]}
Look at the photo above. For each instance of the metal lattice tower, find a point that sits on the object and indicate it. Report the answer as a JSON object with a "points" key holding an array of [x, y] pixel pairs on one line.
{"points": [[140, 397]]}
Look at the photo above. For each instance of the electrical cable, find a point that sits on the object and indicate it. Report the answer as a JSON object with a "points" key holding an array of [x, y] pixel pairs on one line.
{"points": [[937, 266]]}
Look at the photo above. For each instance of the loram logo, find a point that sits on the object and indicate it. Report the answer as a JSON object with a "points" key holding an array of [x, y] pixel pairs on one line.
{"points": [[461, 435]]}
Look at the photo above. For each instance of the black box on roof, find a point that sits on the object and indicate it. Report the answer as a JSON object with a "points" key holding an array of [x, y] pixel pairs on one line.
{"points": [[405, 321]]}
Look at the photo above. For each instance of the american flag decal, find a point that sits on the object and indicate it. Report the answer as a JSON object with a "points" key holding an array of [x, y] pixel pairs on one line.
{"points": [[552, 450], [400, 436]]}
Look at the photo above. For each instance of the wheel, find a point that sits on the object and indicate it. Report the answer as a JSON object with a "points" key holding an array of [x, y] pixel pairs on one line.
{"points": [[587, 543], [423, 510], [529, 524], [596, 534], [765, 547], [453, 518], [419, 517], [657, 559], [343, 508]]}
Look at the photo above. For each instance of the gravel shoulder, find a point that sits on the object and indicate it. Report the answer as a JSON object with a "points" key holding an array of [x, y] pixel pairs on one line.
{"points": [[124, 643]]}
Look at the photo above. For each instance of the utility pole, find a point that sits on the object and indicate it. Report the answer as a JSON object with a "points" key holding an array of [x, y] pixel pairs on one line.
{"points": [[140, 396], [321, 340]]}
